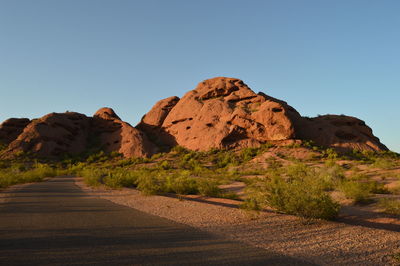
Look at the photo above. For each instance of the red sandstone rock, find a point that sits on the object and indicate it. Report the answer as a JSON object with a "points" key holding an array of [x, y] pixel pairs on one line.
{"points": [[226, 113], [119, 136], [222, 113], [11, 128], [59, 134], [53, 135], [344, 133], [219, 113]]}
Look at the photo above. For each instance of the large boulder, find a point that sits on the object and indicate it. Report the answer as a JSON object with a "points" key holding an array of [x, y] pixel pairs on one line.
{"points": [[59, 134], [222, 113], [53, 135], [151, 123], [344, 133], [11, 129], [116, 135]]}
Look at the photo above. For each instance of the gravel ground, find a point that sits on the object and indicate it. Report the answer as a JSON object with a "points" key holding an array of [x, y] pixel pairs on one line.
{"points": [[324, 243]]}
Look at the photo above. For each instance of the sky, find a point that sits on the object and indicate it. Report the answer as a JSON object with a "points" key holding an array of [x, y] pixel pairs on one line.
{"points": [[322, 57]]}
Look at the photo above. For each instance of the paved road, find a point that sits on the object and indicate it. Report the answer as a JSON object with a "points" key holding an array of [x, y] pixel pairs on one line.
{"points": [[55, 223]]}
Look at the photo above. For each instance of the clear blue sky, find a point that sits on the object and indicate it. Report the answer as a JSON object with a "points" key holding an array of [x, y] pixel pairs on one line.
{"points": [[338, 57]]}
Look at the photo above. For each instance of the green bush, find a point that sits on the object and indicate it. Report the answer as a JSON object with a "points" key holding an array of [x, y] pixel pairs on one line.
{"points": [[383, 163], [164, 165], [377, 188], [302, 196], [20, 173], [92, 176], [296, 190], [249, 153], [179, 150], [251, 204], [120, 178], [357, 191], [150, 183], [330, 176], [390, 206], [224, 158], [208, 187], [182, 184]]}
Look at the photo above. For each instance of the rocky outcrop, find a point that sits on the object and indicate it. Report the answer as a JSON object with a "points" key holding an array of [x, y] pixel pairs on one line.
{"points": [[222, 113], [11, 129], [151, 123], [344, 133], [116, 135], [106, 113], [53, 135], [225, 113], [219, 113], [60, 134]]}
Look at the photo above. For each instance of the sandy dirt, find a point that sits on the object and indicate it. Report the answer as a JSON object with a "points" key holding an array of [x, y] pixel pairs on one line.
{"points": [[348, 241]]}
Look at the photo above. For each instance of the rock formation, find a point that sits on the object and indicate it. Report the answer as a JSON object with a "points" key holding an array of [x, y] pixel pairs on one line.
{"points": [[344, 133], [225, 113], [117, 135], [11, 128], [220, 113], [53, 135], [59, 134]]}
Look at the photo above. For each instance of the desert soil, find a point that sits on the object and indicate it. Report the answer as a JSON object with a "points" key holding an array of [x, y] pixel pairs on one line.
{"points": [[347, 241]]}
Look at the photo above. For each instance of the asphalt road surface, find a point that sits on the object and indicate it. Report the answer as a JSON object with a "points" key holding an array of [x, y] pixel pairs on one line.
{"points": [[56, 223]]}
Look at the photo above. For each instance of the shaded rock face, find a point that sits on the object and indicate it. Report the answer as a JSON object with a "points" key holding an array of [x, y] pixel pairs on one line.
{"points": [[11, 129], [222, 113], [225, 113], [53, 135], [344, 133], [117, 135], [151, 123]]}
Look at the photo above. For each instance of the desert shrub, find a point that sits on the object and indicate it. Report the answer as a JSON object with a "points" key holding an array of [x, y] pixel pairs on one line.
{"points": [[250, 204], [20, 173], [100, 156], [208, 187], [228, 195], [396, 257], [157, 156], [377, 188], [383, 163], [303, 196], [118, 178], [249, 153], [255, 196], [390, 206], [39, 172], [273, 163], [149, 182], [92, 176], [330, 176], [224, 158], [182, 184], [359, 176], [164, 165], [179, 150], [330, 154], [297, 191], [125, 162], [357, 191]]}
